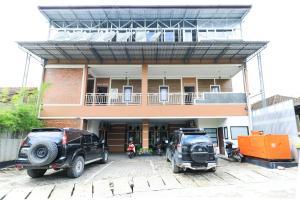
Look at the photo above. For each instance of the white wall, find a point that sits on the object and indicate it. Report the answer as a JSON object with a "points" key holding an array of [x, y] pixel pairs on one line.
{"points": [[278, 119], [9, 149], [93, 126]]}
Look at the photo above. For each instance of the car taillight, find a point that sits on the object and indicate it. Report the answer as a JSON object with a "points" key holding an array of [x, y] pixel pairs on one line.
{"points": [[179, 149], [64, 139]]}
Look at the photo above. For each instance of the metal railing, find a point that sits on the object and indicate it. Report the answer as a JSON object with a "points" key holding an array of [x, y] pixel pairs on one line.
{"points": [[190, 98], [173, 98], [118, 98]]}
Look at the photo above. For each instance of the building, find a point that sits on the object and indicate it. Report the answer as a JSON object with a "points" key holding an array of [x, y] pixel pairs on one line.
{"points": [[279, 116], [143, 71]]}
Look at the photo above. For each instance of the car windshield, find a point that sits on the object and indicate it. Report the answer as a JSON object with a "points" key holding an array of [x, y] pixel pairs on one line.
{"points": [[193, 138]]}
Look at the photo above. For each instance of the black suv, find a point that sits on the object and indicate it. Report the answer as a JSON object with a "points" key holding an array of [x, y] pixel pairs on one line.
{"points": [[191, 148], [60, 148]]}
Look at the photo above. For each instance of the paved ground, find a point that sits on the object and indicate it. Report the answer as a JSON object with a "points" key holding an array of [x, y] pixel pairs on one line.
{"points": [[152, 177]]}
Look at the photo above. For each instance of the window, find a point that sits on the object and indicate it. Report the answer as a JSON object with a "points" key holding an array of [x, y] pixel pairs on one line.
{"points": [[212, 133], [238, 130], [225, 133], [169, 36], [187, 36], [215, 88], [127, 93], [90, 86], [163, 93], [95, 138], [87, 139]]}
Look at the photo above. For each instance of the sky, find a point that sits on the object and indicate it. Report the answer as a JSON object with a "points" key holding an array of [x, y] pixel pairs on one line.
{"points": [[273, 21]]}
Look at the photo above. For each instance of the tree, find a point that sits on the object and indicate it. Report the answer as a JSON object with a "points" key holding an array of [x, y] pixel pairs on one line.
{"points": [[22, 113]]}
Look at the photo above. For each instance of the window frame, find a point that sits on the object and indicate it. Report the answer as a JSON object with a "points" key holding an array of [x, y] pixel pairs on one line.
{"points": [[225, 133], [215, 86], [124, 97], [168, 91], [238, 127]]}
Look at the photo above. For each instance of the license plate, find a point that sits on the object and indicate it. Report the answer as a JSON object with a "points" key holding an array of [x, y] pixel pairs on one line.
{"points": [[24, 151]]}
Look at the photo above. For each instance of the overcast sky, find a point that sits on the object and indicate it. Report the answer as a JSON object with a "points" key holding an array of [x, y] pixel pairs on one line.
{"points": [[274, 21]]}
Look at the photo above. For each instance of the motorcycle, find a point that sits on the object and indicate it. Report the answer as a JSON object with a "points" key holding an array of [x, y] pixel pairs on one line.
{"points": [[131, 150], [233, 153]]}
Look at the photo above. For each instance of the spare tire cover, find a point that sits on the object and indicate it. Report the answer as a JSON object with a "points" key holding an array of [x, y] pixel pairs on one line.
{"points": [[199, 153], [42, 153]]}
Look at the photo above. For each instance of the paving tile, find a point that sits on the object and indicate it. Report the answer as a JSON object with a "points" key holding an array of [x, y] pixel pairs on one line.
{"points": [[121, 185], [40, 192], [62, 192], [18, 193], [82, 191], [140, 184], [101, 189], [156, 183]]}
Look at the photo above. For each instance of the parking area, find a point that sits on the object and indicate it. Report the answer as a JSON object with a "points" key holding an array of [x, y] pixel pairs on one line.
{"points": [[151, 176]]}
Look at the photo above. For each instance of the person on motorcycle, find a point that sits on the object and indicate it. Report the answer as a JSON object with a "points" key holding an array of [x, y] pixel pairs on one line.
{"points": [[131, 145]]}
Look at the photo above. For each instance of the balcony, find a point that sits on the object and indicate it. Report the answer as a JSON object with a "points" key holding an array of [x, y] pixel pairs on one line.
{"points": [[100, 99]]}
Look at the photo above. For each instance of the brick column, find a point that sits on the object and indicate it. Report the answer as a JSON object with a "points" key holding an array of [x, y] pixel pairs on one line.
{"points": [[145, 134], [144, 84], [84, 84]]}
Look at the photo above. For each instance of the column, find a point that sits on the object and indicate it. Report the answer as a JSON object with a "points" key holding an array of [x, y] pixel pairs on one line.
{"points": [[84, 84], [144, 84], [246, 89], [145, 134]]}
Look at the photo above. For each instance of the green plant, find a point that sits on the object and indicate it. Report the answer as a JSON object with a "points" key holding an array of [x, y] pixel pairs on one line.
{"points": [[143, 151], [22, 113]]}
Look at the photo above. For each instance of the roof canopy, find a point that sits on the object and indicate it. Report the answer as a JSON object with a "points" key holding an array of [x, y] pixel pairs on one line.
{"points": [[94, 13], [143, 52]]}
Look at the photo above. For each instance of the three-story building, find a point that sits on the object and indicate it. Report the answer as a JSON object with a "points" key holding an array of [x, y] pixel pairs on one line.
{"points": [[143, 71]]}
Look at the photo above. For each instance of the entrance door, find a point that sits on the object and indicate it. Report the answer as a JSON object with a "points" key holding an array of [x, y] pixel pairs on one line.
{"points": [[189, 94], [221, 140], [102, 90]]}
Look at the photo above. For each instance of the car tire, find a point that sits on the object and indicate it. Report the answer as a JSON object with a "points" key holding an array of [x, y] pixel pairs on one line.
{"points": [[77, 167], [36, 173], [104, 157], [42, 153], [214, 169], [175, 168]]}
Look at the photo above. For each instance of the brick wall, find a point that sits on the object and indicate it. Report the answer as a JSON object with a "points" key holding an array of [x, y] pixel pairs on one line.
{"points": [[204, 85], [136, 84], [174, 85], [63, 123], [65, 86]]}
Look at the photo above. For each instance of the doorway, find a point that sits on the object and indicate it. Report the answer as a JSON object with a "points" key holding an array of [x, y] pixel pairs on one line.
{"points": [[189, 94], [103, 96], [221, 140]]}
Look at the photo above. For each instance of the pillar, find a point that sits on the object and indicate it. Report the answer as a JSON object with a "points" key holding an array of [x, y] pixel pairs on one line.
{"points": [[246, 89], [144, 84], [145, 143], [84, 84]]}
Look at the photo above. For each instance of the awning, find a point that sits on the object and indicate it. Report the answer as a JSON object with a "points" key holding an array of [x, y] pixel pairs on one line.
{"points": [[94, 13], [143, 52]]}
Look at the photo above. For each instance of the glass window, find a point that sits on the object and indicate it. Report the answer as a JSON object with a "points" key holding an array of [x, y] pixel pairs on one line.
{"points": [[238, 130], [164, 93], [87, 139], [187, 36], [90, 86], [212, 133], [127, 93], [149, 35], [215, 88], [169, 36], [225, 132]]}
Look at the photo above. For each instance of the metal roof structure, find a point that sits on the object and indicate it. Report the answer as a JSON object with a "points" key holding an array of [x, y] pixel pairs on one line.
{"points": [[95, 13], [143, 52]]}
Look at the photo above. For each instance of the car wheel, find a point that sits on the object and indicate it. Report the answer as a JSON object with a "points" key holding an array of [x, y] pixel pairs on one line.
{"points": [[42, 153], [104, 157], [36, 173], [214, 169], [175, 168], [77, 167]]}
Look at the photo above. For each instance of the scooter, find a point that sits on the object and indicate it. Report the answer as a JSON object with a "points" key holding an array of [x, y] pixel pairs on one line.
{"points": [[233, 153], [131, 150]]}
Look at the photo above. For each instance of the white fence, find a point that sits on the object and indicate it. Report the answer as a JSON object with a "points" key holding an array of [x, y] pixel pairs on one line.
{"points": [[9, 149]]}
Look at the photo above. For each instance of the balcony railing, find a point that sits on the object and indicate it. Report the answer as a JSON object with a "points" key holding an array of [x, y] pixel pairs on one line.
{"points": [[107, 98], [165, 99]]}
